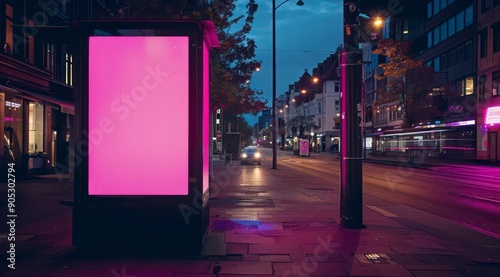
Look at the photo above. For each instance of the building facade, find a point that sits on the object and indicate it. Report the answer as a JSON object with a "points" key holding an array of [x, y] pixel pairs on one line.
{"points": [[36, 77], [442, 35], [488, 80], [316, 96]]}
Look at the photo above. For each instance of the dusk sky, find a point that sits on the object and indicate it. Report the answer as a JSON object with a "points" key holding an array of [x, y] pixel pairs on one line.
{"points": [[305, 36]]}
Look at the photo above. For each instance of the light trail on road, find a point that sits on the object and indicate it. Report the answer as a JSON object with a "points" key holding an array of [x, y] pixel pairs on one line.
{"points": [[461, 198]]}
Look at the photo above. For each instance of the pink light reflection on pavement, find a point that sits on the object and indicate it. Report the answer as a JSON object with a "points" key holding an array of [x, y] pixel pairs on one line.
{"points": [[138, 115]]}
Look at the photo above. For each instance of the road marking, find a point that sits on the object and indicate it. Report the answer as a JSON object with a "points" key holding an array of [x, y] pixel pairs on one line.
{"points": [[479, 198], [382, 211]]}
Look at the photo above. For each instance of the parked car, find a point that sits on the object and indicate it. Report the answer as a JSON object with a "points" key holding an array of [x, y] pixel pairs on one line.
{"points": [[250, 155]]}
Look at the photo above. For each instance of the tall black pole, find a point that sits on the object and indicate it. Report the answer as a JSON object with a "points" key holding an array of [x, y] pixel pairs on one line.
{"points": [[351, 184], [275, 144]]}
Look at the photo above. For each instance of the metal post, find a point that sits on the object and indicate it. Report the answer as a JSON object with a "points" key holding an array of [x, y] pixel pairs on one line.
{"points": [[274, 145], [351, 191]]}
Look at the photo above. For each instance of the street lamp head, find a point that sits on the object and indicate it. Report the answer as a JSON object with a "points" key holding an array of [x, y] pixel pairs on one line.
{"points": [[303, 91], [300, 3], [378, 22], [315, 79]]}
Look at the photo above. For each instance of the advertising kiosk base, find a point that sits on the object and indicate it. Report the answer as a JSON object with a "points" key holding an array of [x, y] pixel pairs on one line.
{"points": [[138, 230]]}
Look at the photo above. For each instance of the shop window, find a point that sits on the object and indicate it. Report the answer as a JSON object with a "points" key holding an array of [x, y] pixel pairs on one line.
{"points": [[35, 126], [495, 83]]}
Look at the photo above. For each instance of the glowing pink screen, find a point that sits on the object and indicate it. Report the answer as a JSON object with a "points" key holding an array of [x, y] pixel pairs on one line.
{"points": [[206, 116], [138, 115]]}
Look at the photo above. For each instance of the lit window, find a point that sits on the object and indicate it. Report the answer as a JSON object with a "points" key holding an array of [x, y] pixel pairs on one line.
{"points": [[69, 69], [495, 83], [35, 127], [469, 86]]}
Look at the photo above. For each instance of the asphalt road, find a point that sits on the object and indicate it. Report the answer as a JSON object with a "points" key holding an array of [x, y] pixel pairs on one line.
{"points": [[469, 195]]}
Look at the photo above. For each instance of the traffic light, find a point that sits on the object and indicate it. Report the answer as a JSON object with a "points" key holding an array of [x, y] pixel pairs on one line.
{"points": [[351, 13]]}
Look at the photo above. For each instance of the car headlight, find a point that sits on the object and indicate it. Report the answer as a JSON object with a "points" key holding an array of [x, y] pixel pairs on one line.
{"points": [[243, 155], [257, 155]]}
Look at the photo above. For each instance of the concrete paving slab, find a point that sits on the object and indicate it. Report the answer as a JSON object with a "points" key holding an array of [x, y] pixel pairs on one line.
{"points": [[275, 258], [268, 249], [177, 265], [214, 245], [309, 268], [236, 248], [249, 239], [230, 267]]}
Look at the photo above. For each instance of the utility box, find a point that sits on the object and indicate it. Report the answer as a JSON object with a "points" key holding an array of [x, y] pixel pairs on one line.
{"points": [[142, 142]]}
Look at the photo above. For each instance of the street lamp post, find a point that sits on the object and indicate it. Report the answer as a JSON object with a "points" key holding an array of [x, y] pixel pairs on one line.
{"points": [[275, 123], [351, 187]]}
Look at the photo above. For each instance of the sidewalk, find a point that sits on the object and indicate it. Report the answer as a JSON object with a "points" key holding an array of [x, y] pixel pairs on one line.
{"points": [[263, 222]]}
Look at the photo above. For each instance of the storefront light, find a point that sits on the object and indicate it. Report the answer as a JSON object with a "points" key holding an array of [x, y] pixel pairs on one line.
{"points": [[12, 104]]}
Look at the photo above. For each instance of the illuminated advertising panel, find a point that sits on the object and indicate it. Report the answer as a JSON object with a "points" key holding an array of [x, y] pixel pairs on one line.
{"points": [[138, 115], [493, 115], [206, 116]]}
